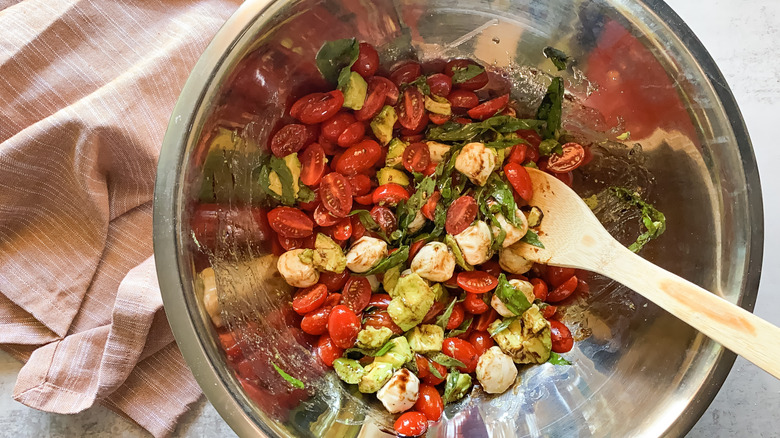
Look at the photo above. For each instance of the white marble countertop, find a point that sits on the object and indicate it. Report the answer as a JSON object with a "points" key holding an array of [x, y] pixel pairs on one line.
{"points": [[743, 36]]}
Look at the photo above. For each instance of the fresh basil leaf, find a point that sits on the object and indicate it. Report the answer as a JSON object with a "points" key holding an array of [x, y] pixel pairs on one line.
{"points": [[381, 352], [292, 380], [557, 359], [444, 318], [653, 220], [463, 74], [343, 79], [502, 193], [456, 386], [532, 239], [449, 362], [421, 84], [513, 298], [505, 143], [549, 147], [551, 109], [412, 366], [434, 371], [390, 261], [508, 124], [305, 194], [336, 55], [505, 323], [558, 57], [463, 328], [453, 131], [369, 223], [285, 178]]}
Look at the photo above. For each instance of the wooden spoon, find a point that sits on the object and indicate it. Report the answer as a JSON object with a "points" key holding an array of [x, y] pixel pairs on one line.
{"points": [[574, 238]]}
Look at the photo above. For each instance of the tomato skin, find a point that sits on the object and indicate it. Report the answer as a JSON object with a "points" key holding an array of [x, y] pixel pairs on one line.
{"points": [[477, 282], [356, 294], [291, 138], [540, 289], [556, 275], [376, 94], [290, 243], [366, 199], [385, 218], [436, 309], [359, 157], [336, 194], [352, 134], [572, 157], [492, 267], [358, 229], [312, 164], [334, 126], [474, 83], [462, 351], [231, 347], [429, 208], [517, 154], [361, 184], [463, 100], [322, 216], [340, 231], [406, 73], [416, 157], [475, 304], [334, 281], [562, 341], [411, 110], [411, 424], [440, 84], [414, 248], [485, 320], [481, 342], [327, 350], [317, 107], [490, 108], [343, 326], [290, 222], [520, 180], [390, 194], [438, 119], [429, 402], [309, 299], [549, 311], [563, 291], [367, 61], [381, 318], [456, 317], [460, 215], [316, 321], [380, 301], [423, 368]]}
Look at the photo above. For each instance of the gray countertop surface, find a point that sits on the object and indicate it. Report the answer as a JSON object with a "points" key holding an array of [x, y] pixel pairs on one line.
{"points": [[743, 36]]}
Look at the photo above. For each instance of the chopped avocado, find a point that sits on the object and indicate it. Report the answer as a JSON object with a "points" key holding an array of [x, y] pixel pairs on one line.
{"points": [[457, 386], [383, 123], [412, 298], [440, 293], [328, 255], [354, 89], [371, 338], [535, 217], [395, 152], [399, 353], [294, 165], [459, 259], [437, 150], [438, 105], [425, 338], [501, 154], [390, 279], [348, 370], [527, 339], [375, 375], [390, 175]]}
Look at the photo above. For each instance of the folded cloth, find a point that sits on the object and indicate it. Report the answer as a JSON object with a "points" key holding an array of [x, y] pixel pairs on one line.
{"points": [[86, 90]]}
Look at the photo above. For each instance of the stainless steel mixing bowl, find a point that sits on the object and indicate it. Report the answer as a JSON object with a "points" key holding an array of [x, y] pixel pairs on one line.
{"points": [[637, 371]]}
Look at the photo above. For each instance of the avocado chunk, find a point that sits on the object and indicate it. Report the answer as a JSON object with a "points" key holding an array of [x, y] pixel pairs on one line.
{"points": [[412, 298], [292, 163], [456, 386], [395, 152], [354, 88], [527, 339], [387, 175], [535, 217], [348, 370], [390, 279], [399, 353], [425, 338], [459, 259], [438, 105], [371, 338], [382, 124], [440, 293], [375, 375], [328, 255]]}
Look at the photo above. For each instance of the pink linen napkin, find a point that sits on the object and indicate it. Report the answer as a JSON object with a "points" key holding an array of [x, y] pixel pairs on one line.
{"points": [[86, 90]]}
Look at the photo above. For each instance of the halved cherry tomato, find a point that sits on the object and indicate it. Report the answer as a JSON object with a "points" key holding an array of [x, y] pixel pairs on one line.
{"points": [[431, 169], [376, 95], [475, 304], [416, 131], [517, 154], [341, 230], [334, 126], [380, 301], [485, 320], [549, 311], [481, 342], [520, 180], [385, 218], [316, 321], [290, 243], [358, 158], [436, 309], [424, 369], [317, 107], [390, 194], [463, 100], [563, 291], [429, 208], [460, 215], [411, 110], [336, 194], [366, 199], [477, 282], [309, 299], [361, 184], [290, 222], [367, 61], [489, 109], [474, 83], [556, 275], [463, 351], [571, 158], [416, 157], [406, 73], [492, 267], [390, 89], [531, 136], [411, 424], [291, 138], [343, 326], [334, 281], [327, 350], [381, 318], [414, 248], [356, 293], [440, 84], [312, 164], [456, 317], [562, 341], [352, 134], [322, 216], [540, 289], [438, 119], [429, 402]]}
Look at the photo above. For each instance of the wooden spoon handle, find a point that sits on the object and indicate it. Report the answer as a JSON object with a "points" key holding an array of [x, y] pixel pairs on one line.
{"points": [[732, 326]]}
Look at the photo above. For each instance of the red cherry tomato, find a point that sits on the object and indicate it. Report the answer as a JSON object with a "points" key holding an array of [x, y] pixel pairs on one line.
{"points": [[334, 126], [358, 229], [361, 184], [341, 230], [414, 248], [436, 309], [414, 135], [492, 267], [390, 194], [309, 299], [489, 108], [429, 402], [571, 158], [429, 208], [317, 107], [352, 134], [477, 282], [563, 291], [316, 321], [517, 154], [367, 61], [481, 342], [463, 100], [390, 89], [531, 136], [562, 341], [381, 318], [474, 83], [431, 169], [385, 218], [485, 319], [438, 119], [343, 326], [549, 311], [334, 281], [411, 110], [411, 424], [416, 157], [540, 289], [356, 294], [290, 243], [358, 158], [460, 215], [556, 275], [406, 73], [327, 350], [520, 180], [380, 301], [323, 218], [312, 164], [474, 304], [463, 351], [424, 367], [456, 317], [440, 84], [336, 194], [290, 222], [366, 199], [291, 138]]}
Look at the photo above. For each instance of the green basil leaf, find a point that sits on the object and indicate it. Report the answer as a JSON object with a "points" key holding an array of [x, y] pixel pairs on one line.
{"points": [[444, 318], [532, 239], [513, 298], [551, 109], [549, 147], [343, 79], [421, 84], [381, 352], [463, 74], [463, 328], [558, 57], [390, 261], [557, 359], [365, 218], [449, 362], [285, 178], [434, 371], [505, 143], [292, 380], [653, 220], [506, 322], [305, 194], [336, 55]]}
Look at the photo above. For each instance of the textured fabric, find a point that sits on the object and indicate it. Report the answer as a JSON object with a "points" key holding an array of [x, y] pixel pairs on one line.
{"points": [[86, 90]]}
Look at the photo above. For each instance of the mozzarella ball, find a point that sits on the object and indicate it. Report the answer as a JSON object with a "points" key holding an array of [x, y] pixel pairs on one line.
{"points": [[512, 261], [526, 287], [476, 162], [374, 282], [437, 150], [474, 243], [500, 307], [434, 262], [400, 392], [513, 233], [496, 371], [417, 223], [295, 272], [210, 299], [365, 253]]}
